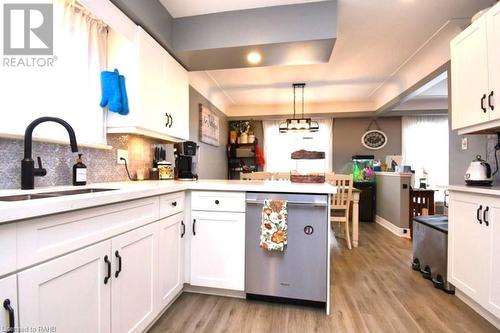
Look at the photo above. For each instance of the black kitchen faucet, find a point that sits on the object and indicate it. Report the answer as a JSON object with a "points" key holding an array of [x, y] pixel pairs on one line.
{"points": [[28, 170]]}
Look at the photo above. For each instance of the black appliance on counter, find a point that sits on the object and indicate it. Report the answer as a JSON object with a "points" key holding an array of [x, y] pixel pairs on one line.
{"points": [[364, 180], [186, 160]]}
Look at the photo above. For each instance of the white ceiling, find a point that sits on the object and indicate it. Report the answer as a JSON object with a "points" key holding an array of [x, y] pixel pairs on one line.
{"points": [[181, 8], [374, 39]]}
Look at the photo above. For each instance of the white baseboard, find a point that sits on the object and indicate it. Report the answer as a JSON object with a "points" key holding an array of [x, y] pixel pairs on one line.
{"points": [[400, 232], [478, 308]]}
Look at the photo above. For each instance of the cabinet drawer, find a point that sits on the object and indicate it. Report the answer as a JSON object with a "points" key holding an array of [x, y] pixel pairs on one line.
{"points": [[218, 201], [171, 204], [7, 248], [43, 238]]}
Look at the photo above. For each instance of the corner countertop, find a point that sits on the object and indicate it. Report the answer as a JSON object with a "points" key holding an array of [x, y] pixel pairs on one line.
{"points": [[19, 210], [488, 190], [393, 174]]}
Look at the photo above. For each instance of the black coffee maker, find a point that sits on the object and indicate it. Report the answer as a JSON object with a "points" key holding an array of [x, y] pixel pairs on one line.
{"points": [[186, 160]]}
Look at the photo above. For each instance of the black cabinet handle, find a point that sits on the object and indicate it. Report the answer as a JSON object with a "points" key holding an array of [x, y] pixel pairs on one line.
{"points": [[167, 124], [174, 203], [119, 257], [171, 121], [217, 202], [12, 319], [485, 214], [478, 213], [482, 103], [108, 264], [194, 227], [183, 232], [490, 101], [446, 195]]}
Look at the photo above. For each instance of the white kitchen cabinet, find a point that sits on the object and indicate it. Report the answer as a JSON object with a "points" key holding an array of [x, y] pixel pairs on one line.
{"points": [[157, 87], [8, 299], [218, 250], [172, 231], [475, 75], [474, 248], [135, 279], [71, 293], [8, 251]]}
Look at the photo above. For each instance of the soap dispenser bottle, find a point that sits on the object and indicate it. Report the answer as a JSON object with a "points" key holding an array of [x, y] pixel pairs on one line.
{"points": [[79, 172]]}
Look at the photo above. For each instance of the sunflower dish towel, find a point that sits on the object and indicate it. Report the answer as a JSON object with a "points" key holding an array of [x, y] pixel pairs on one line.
{"points": [[273, 230]]}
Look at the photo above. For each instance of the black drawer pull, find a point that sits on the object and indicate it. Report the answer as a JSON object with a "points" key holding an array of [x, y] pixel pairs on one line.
{"points": [[108, 264], [217, 202], [478, 214], [485, 214], [194, 227], [183, 232], [490, 102], [482, 103], [119, 257], [171, 121], [12, 320], [174, 203]]}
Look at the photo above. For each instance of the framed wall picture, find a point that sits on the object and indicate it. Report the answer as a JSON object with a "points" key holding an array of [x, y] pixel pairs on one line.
{"points": [[209, 126], [374, 139]]}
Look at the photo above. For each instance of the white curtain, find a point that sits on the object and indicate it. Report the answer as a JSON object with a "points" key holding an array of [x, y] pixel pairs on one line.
{"points": [[425, 147], [70, 89], [278, 147]]}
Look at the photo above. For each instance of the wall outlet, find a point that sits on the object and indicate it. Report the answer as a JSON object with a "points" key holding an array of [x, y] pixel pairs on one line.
{"points": [[121, 153], [464, 143]]}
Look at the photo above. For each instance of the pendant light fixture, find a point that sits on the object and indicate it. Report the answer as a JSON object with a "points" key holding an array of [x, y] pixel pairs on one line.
{"points": [[298, 124]]}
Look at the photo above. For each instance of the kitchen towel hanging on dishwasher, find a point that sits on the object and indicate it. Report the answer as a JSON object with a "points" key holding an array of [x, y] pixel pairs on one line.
{"points": [[273, 229]]}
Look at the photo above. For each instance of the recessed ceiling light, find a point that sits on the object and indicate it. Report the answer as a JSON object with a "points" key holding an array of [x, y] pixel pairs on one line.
{"points": [[254, 57]]}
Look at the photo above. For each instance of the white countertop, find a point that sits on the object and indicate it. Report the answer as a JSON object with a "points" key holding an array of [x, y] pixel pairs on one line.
{"points": [[488, 190], [393, 174], [19, 210]]}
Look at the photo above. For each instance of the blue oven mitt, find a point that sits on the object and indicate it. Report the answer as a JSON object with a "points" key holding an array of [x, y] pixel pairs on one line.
{"points": [[110, 87], [124, 99]]}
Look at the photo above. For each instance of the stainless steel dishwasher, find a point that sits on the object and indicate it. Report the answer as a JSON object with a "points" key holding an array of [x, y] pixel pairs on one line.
{"points": [[299, 273]]}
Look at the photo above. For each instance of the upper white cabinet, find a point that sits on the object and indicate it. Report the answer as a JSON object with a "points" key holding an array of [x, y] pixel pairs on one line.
{"points": [[157, 87], [475, 75], [474, 248]]}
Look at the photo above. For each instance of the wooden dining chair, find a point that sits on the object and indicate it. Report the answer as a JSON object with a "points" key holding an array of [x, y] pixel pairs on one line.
{"points": [[329, 177], [256, 176], [341, 203]]}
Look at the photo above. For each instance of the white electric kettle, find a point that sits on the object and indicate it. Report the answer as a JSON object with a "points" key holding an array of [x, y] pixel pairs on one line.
{"points": [[478, 173]]}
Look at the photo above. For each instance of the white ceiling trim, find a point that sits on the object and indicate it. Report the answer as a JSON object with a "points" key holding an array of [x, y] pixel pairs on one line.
{"points": [[203, 82]]}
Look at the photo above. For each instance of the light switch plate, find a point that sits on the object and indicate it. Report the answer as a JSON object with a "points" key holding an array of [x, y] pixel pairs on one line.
{"points": [[121, 153], [464, 143]]}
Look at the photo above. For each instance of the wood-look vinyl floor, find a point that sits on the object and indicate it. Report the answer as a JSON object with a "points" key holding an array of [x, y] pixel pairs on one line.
{"points": [[373, 290]]}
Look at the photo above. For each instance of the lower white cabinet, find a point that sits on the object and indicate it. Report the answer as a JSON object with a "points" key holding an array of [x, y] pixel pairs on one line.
{"points": [[71, 293], [474, 248], [218, 250], [134, 284], [171, 258], [8, 299]]}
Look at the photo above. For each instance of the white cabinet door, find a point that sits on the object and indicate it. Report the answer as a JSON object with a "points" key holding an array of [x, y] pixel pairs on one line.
{"points": [[152, 82], [177, 92], [218, 250], [171, 258], [493, 218], [468, 245], [8, 248], [135, 279], [70, 293], [8, 298], [493, 21], [469, 76]]}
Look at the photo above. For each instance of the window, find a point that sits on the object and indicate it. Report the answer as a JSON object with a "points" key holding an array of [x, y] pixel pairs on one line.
{"points": [[425, 147], [278, 147], [70, 89]]}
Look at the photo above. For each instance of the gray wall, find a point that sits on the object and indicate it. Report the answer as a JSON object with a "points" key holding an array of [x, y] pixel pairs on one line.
{"points": [[392, 200], [213, 160], [347, 134]]}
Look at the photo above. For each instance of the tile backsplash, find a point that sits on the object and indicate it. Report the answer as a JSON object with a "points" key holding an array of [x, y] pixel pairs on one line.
{"points": [[59, 160], [490, 155]]}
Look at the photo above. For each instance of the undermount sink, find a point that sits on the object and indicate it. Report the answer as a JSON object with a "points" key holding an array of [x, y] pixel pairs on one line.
{"points": [[44, 195]]}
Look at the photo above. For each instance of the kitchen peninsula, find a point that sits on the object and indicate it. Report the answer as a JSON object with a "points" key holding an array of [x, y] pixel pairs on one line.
{"points": [[133, 234]]}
